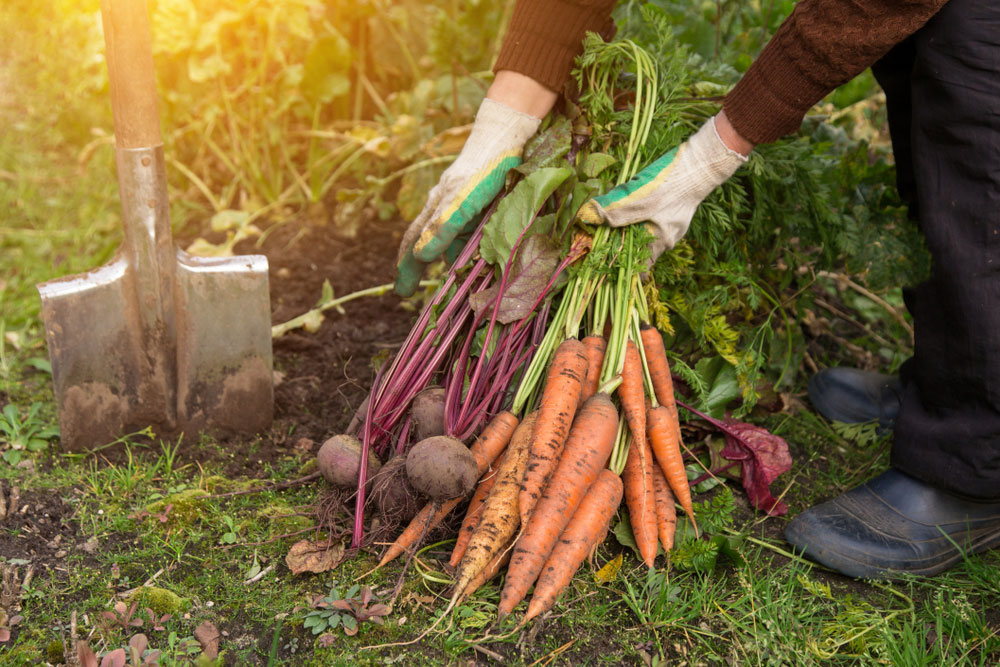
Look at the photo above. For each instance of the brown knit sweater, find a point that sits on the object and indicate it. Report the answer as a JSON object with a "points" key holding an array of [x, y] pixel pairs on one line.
{"points": [[821, 45]]}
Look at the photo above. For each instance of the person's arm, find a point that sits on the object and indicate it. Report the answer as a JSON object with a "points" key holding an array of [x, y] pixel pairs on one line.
{"points": [[545, 36], [537, 54], [522, 93], [821, 45]]}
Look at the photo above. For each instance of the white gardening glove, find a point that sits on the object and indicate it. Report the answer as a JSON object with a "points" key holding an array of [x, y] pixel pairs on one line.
{"points": [[666, 193], [471, 182]]}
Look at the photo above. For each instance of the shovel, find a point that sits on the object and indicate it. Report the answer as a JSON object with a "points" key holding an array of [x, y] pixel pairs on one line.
{"points": [[156, 337]]}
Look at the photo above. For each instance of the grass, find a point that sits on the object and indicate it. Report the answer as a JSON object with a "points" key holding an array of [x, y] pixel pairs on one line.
{"points": [[771, 608]]}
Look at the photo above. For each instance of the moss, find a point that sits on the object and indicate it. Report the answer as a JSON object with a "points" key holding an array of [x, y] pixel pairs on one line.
{"points": [[279, 521], [160, 600], [185, 508], [220, 484], [54, 652], [309, 467]]}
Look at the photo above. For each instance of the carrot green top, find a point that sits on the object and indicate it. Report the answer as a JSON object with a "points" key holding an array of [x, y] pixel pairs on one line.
{"points": [[821, 45]]}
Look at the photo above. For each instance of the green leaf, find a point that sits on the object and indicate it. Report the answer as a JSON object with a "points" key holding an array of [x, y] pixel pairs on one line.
{"points": [[594, 163], [516, 211], [549, 147], [624, 535], [36, 445], [720, 376], [40, 364], [326, 68]]}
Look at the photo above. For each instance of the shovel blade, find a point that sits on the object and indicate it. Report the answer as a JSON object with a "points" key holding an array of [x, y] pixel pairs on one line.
{"points": [[225, 382], [109, 376]]}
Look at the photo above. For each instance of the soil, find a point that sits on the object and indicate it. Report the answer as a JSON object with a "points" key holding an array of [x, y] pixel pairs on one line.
{"points": [[322, 377]]}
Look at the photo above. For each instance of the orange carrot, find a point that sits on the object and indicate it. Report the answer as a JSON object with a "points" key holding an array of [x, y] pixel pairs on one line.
{"points": [[589, 523], [426, 520], [559, 403], [474, 511], [491, 570], [640, 498], [486, 449], [666, 515], [631, 394], [665, 438], [594, 349], [492, 440], [586, 452], [659, 368], [500, 519]]}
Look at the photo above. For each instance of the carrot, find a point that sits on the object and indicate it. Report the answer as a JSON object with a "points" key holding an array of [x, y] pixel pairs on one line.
{"points": [[666, 515], [659, 368], [630, 393], [589, 523], [492, 440], [559, 403], [640, 498], [491, 570], [500, 518], [594, 349], [486, 448], [586, 452], [474, 511], [665, 438]]}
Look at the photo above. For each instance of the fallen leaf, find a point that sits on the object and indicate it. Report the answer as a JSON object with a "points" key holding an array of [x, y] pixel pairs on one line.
{"points": [[208, 636], [85, 655], [764, 457], [310, 556], [304, 445], [610, 570]]}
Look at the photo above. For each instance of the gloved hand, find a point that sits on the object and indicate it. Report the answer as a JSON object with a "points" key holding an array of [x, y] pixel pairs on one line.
{"points": [[471, 182], [667, 192]]}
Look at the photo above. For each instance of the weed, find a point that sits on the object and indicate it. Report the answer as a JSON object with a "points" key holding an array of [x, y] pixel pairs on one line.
{"points": [[29, 434], [335, 610]]}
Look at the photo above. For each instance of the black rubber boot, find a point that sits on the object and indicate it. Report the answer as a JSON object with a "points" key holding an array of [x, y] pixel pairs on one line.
{"points": [[853, 396], [894, 524]]}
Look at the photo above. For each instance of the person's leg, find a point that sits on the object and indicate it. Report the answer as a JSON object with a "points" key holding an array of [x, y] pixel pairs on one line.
{"points": [[944, 488], [948, 429], [848, 394]]}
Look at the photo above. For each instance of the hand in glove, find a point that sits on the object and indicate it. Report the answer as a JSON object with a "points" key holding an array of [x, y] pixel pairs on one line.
{"points": [[471, 182], [666, 193]]}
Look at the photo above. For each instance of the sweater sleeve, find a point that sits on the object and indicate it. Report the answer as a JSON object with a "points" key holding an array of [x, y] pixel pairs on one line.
{"points": [[545, 36], [821, 45]]}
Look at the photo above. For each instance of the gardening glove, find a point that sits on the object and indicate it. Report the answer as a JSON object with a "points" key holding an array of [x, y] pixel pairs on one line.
{"points": [[666, 193], [471, 182]]}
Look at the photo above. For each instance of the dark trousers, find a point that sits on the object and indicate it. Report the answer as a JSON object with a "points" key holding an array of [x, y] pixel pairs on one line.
{"points": [[943, 91]]}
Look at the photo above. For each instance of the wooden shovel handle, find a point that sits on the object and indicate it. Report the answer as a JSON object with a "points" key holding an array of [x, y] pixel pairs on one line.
{"points": [[130, 69]]}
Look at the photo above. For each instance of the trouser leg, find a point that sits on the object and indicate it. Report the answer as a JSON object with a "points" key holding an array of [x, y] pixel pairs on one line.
{"points": [[948, 429]]}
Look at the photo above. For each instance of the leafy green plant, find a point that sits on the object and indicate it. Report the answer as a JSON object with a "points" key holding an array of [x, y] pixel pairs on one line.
{"points": [[335, 610], [29, 434], [229, 537]]}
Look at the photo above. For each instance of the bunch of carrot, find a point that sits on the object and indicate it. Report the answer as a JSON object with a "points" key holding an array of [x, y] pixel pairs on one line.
{"points": [[547, 494], [605, 428]]}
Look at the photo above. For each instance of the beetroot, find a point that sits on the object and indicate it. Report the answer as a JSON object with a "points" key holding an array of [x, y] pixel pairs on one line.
{"points": [[427, 410], [339, 459], [392, 493], [441, 467]]}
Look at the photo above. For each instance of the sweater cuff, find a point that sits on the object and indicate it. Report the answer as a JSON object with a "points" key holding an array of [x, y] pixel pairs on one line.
{"points": [[545, 37]]}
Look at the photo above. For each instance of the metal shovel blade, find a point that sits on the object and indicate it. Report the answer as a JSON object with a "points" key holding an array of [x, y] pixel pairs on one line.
{"points": [[156, 337]]}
